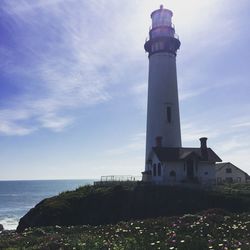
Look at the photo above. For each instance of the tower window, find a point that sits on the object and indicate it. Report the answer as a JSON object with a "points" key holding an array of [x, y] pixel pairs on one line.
{"points": [[169, 114], [154, 169], [159, 169], [228, 170]]}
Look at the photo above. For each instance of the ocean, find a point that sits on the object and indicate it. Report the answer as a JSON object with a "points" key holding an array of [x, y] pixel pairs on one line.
{"points": [[18, 197]]}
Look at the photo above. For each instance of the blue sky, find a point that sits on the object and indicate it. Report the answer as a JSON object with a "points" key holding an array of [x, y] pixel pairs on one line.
{"points": [[73, 84]]}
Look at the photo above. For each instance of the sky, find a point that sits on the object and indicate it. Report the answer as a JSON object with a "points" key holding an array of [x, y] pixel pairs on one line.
{"points": [[73, 84]]}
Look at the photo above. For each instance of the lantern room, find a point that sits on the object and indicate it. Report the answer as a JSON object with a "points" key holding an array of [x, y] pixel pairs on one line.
{"points": [[162, 23], [161, 17]]}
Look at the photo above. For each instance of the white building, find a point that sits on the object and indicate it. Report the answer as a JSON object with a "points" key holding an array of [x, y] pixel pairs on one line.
{"points": [[166, 160], [168, 165], [226, 172]]}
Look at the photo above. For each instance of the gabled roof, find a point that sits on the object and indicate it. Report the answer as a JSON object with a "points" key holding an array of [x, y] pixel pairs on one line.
{"points": [[219, 166], [175, 154]]}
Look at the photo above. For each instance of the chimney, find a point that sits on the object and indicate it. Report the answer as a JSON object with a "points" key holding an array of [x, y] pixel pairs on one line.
{"points": [[158, 141], [204, 152]]}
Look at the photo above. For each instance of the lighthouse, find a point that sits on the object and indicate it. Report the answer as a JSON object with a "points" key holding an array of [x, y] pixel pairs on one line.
{"points": [[167, 162], [163, 118]]}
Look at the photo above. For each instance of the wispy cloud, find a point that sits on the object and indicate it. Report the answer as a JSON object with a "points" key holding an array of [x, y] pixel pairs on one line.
{"points": [[139, 92], [227, 137], [64, 62], [10, 128], [71, 53], [191, 132], [135, 144], [244, 123]]}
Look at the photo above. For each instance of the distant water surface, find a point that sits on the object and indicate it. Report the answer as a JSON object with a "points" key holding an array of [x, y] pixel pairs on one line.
{"points": [[18, 197]]}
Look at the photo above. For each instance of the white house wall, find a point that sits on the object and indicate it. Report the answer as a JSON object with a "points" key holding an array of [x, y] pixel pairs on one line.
{"points": [[167, 167], [178, 167], [206, 172]]}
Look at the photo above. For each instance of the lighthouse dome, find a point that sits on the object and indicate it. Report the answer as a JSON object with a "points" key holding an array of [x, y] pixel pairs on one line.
{"points": [[161, 17]]}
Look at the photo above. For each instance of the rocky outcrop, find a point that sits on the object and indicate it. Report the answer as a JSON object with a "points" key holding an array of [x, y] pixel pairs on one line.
{"points": [[95, 205], [1, 228]]}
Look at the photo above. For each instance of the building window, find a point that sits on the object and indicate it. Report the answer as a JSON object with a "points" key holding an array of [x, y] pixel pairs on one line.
{"points": [[239, 179], [154, 169], [172, 174], [228, 170], [169, 114], [159, 169], [219, 180], [206, 173], [229, 180]]}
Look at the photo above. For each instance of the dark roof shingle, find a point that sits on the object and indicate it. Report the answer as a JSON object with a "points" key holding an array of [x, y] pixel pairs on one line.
{"points": [[175, 154]]}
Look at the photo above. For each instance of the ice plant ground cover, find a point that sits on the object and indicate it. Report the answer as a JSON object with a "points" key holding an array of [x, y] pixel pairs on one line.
{"points": [[211, 229]]}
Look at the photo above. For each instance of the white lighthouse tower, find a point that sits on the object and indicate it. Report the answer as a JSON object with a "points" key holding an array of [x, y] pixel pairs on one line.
{"points": [[163, 119], [167, 162]]}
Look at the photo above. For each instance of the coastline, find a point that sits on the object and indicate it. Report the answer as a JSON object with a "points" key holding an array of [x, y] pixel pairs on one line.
{"points": [[17, 197]]}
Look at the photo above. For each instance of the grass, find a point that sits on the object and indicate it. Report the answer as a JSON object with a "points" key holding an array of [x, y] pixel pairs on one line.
{"points": [[95, 205], [212, 230], [236, 188]]}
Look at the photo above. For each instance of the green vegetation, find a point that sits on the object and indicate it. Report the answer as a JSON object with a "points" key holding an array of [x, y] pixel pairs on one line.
{"points": [[212, 230], [236, 188], [95, 205]]}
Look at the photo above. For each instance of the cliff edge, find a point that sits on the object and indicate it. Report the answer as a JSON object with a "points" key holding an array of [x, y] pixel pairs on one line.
{"points": [[95, 205]]}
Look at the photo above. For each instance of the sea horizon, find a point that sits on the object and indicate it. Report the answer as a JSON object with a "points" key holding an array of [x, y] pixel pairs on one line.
{"points": [[62, 179]]}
